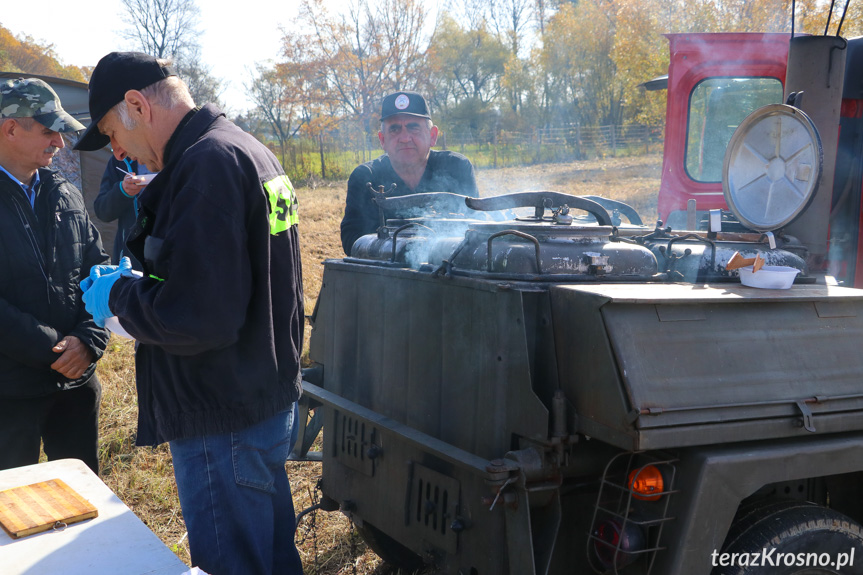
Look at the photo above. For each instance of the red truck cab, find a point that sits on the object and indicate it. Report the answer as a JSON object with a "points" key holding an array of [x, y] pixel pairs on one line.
{"points": [[714, 82]]}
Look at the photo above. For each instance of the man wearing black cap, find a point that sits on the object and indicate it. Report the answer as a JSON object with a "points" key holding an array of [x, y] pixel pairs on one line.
{"points": [[49, 345], [407, 136], [217, 314]]}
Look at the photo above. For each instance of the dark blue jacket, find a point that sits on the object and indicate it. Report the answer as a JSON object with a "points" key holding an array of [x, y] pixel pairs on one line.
{"points": [[219, 313], [112, 203], [445, 172], [44, 256]]}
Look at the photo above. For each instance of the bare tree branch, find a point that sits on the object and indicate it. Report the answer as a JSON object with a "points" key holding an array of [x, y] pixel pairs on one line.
{"points": [[162, 28]]}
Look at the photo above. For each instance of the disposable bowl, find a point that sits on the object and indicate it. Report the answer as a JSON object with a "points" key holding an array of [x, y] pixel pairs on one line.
{"points": [[768, 277]]}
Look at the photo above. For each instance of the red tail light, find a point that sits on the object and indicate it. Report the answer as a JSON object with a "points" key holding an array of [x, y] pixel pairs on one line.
{"points": [[617, 547]]}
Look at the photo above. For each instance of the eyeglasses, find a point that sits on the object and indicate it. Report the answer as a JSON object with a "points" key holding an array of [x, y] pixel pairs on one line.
{"points": [[413, 128]]}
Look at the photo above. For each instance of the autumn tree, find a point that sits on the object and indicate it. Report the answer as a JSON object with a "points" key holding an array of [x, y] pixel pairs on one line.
{"points": [[318, 105], [271, 89], [511, 20], [28, 56], [402, 24], [293, 96], [852, 26], [511, 63], [577, 56], [366, 52], [640, 53], [467, 70]]}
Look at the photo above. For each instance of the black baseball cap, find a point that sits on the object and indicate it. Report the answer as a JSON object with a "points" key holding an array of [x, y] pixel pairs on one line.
{"points": [[410, 103], [114, 75]]}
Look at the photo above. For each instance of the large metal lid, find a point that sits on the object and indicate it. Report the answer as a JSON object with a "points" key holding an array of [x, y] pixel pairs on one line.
{"points": [[772, 167]]}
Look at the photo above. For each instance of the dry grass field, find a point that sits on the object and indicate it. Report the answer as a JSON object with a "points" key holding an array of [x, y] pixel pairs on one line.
{"points": [[143, 477]]}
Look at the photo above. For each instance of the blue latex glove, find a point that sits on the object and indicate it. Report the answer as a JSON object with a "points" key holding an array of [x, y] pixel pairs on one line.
{"points": [[98, 292], [103, 270]]}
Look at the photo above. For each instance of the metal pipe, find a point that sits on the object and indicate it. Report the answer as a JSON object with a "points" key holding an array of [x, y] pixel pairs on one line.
{"points": [[829, 14], [793, 6], [841, 20]]}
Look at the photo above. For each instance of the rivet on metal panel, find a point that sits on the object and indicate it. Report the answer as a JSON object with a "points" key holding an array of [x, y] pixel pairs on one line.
{"points": [[374, 452], [459, 524]]}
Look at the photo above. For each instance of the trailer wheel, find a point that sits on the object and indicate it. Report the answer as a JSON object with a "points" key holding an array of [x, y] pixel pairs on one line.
{"points": [[391, 551], [752, 513], [801, 539]]}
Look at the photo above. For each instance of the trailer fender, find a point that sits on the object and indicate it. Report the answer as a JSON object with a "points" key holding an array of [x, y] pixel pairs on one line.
{"points": [[712, 482]]}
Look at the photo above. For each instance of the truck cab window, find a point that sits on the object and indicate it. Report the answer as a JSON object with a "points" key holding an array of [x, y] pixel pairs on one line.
{"points": [[716, 108]]}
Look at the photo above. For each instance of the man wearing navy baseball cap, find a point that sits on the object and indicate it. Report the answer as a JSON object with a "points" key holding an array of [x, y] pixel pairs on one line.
{"points": [[218, 313], [407, 135]]}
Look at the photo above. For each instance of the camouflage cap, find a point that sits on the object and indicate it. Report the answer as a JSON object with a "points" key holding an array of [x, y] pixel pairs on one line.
{"points": [[33, 98]]}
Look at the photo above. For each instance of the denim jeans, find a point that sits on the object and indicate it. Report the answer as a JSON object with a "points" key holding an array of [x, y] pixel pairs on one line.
{"points": [[236, 499]]}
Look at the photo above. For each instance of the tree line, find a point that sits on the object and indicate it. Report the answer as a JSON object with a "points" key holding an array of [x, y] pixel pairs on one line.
{"points": [[27, 55], [492, 66], [493, 70]]}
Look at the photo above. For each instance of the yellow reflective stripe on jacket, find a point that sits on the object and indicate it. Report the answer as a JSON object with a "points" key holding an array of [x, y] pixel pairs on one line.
{"points": [[283, 204]]}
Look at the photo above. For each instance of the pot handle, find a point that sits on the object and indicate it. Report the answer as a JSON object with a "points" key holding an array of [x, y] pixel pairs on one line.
{"points": [[539, 201], [521, 235]]}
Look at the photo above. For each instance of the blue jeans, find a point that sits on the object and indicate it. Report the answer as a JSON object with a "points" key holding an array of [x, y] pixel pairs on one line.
{"points": [[236, 499]]}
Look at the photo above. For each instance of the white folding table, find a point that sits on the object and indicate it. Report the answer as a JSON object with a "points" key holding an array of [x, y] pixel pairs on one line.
{"points": [[114, 542]]}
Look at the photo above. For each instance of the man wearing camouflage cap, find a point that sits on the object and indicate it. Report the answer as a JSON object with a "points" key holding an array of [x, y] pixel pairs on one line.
{"points": [[49, 344]]}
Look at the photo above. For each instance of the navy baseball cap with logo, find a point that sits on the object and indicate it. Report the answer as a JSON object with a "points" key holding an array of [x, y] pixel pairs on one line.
{"points": [[114, 75], [409, 103]]}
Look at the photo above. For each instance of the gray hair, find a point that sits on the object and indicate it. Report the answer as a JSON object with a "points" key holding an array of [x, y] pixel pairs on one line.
{"points": [[26, 123], [166, 94]]}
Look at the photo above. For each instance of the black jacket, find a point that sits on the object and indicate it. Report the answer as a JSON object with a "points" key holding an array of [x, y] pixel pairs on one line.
{"points": [[43, 258], [445, 172], [219, 313]]}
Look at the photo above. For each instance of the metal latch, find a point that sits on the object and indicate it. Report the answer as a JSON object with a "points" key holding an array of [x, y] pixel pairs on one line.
{"points": [[596, 263], [808, 424]]}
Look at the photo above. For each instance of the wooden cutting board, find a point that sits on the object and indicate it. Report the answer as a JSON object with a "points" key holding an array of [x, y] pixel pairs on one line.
{"points": [[41, 506]]}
